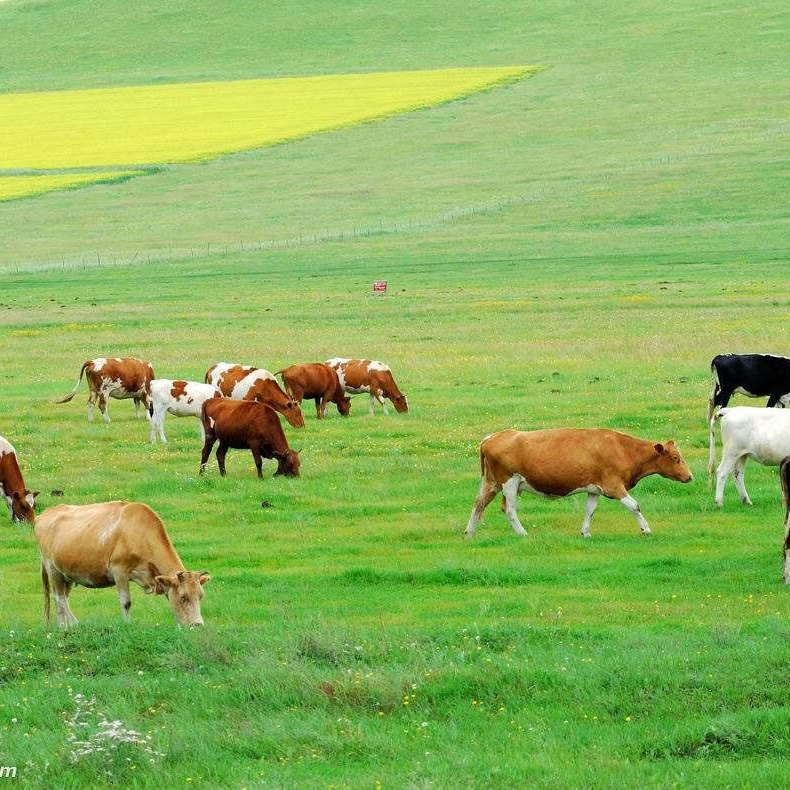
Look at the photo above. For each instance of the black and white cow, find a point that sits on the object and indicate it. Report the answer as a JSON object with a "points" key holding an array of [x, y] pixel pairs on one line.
{"points": [[753, 375]]}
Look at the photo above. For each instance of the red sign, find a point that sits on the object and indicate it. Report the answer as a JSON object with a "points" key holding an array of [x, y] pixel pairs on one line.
{"points": [[380, 287]]}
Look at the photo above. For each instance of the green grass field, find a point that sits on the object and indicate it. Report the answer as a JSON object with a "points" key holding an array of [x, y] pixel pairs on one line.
{"points": [[570, 249]]}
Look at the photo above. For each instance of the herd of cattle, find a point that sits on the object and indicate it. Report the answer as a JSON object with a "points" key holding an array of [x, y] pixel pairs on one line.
{"points": [[115, 543]]}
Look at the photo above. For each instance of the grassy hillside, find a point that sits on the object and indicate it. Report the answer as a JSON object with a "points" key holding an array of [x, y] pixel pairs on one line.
{"points": [[570, 249]]}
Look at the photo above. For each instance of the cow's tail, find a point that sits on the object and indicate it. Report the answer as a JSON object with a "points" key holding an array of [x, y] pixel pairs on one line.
{"points": [[285, 383], [45, 585], [76, 386]]}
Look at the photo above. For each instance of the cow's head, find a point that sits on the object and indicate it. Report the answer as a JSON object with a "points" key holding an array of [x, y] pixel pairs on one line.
{"points": [[22, 504], [400, 403], [288, 463], [293, 413], [344, 405], [670, 463], [184, 591]]}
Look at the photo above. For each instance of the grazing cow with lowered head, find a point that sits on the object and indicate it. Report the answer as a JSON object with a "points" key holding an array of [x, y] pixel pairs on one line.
{"points": [[557, 462], [367, 375], [182, 398], [318, 381], [246, 425], [749, 432], [19, 499], [113, 543], [753, 375], [118, 377], [784, 476], [243, 382]]}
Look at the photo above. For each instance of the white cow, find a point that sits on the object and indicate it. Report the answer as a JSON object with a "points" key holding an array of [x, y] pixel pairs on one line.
{"points": [[750, 432], [182, 398]]}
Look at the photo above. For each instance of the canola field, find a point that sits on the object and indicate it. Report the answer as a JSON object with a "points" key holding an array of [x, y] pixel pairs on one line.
{"points": [[52, 138]]}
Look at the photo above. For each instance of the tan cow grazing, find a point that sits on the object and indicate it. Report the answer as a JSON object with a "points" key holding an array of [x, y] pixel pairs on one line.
{"points": [[19, 499], [557, 462], [179, 397], [368, 375], [246, 425], [318, 381], [113, 543], [243, 382], [118, 377]]}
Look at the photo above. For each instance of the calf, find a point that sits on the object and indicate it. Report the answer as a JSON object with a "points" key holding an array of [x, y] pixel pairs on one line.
{"points": [[19, 499], [113, 543], [182, 398], [368, 375], [749, 432], [557, 462], [784, 476], [243, 382], [246, 425], [753, 375], [120, 377], [318, 381]]}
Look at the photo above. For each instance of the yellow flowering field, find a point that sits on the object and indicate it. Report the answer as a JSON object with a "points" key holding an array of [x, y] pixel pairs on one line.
{"points": [[12, 187], [155, 124]]}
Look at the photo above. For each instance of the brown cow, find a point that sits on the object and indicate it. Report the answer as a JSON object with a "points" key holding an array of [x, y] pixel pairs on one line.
{"points": [[318, 381], [243, 382], [119, 377], [19, 499], [557, 462], [113, 543], [367, 375], [246, 425]]}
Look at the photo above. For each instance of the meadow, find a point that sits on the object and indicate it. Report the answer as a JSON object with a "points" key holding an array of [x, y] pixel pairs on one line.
{"points": [[569, 249]]}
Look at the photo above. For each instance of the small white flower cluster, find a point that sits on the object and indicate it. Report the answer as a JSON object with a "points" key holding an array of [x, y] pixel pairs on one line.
{"points": [[90, 732]]}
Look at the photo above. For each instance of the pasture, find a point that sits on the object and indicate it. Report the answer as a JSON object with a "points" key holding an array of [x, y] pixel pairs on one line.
{"points": [[568, 249]]}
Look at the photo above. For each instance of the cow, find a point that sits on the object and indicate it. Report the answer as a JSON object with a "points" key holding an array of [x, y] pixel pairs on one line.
{"points": [[368, 375], [243, 382], [784, 476], [558, 462], [246, 425], [179, 397], [318, 381], [749, 432], [117, 377], [18, 497], [753, 375], [113, 543]]}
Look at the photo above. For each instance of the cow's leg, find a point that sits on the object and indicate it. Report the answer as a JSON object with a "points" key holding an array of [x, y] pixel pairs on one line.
{"points": [[510, 492], [320, 408], [372, 401], [589, 509], [158, 425], [723, 472], [61, 588], [787, 546], [633, 506], [206, 452], [91, 404], [487, 492], [136, 407], [123, 595], [103, 406], [255, 449], [222, 451], [738, 474]]}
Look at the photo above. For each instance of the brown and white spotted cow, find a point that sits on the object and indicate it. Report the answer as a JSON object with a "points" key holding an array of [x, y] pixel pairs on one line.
{"points": [[244, 382], [246, 425], [368, 375], [114, 377], [182, 398], [317, 381], [19, 499], [558, 462], [113, 543]]}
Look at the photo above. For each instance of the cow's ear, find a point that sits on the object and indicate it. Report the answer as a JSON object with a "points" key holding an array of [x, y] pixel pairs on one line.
{"points": [[163, 583], [659, 448], [205, 577]]}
